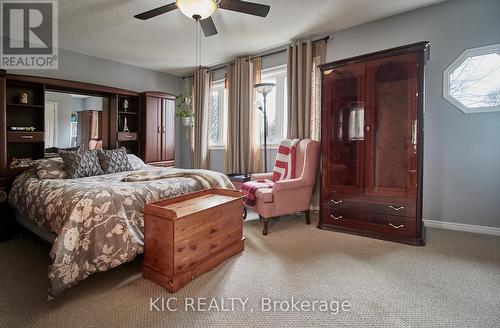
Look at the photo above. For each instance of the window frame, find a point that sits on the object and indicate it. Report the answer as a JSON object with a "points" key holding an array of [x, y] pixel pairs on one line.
{"points": [[472, 52], [279, 73], [219, 86]]}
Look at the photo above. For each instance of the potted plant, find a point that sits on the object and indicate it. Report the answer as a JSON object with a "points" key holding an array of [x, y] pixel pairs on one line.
{"points": [[184, 110]]}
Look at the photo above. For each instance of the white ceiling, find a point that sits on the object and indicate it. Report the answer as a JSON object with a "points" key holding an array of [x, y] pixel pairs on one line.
{"points": [[107, 29]]}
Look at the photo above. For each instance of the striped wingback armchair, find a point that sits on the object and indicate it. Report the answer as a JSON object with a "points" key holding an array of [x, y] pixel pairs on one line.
{"points": [[292, 195]]}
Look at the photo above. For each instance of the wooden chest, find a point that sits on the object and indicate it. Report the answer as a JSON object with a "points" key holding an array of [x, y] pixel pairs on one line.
{"points": [[188, 235]]}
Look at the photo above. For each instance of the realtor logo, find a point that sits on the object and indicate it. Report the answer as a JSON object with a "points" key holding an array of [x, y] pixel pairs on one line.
{"points": [[29, 34]]}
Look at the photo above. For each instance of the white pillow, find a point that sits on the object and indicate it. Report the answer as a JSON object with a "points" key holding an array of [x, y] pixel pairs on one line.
{"points": [[136, 162]]}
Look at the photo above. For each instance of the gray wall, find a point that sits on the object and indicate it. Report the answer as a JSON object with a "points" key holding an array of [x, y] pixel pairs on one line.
{"points": [[462, 151], [78, 67]]}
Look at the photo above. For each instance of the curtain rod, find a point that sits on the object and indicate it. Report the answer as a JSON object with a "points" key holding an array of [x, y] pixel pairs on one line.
{"points": [[220, 66]]}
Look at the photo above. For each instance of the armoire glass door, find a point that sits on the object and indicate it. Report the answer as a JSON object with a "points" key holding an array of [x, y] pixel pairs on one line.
{"points": [[345, 87], [391, 126]]}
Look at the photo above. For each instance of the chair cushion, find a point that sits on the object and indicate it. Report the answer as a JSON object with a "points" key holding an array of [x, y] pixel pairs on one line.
{"points": [[264, 195]]}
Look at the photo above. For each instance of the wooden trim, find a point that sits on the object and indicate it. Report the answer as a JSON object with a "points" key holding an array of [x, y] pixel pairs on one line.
{"points": [[422, 59], [418, 46], [113, 120], [3, 123], [371, 234], [495, 231], [159, 94], [67, 85]]}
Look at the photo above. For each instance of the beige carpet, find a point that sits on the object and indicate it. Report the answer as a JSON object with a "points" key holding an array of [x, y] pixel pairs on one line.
{"points": [[454, 281]]}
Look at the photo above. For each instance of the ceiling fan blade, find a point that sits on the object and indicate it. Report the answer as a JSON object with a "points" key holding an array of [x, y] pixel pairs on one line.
{"points": [[251, 8], [208, 26], [157, 11]]}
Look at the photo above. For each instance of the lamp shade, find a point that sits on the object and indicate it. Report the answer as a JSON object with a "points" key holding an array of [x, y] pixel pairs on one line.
{"points": [[194, 8], [264, 88]]}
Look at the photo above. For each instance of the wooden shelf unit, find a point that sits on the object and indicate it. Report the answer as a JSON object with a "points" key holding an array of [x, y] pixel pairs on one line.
{"points": [[130, 140], [24, 144], [31, 144]]}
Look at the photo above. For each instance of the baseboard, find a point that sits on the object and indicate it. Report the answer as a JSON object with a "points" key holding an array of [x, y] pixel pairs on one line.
{"points": [[462, 227]]}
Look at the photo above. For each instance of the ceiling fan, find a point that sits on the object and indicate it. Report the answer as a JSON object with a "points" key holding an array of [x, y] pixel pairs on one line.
{"points": [[202, 10]]}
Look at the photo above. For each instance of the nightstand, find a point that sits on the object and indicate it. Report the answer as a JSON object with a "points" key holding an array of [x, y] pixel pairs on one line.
{"points": [[238, 180]]}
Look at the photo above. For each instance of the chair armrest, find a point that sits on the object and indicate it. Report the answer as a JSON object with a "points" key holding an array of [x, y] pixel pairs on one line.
{"points": [[290, 184], [261, 176]]}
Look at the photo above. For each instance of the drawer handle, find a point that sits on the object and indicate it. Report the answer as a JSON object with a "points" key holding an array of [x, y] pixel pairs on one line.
{"points": [[129, 136], [26, 137], [336, 201], [336, 217], [397, 227], [396, 208]]}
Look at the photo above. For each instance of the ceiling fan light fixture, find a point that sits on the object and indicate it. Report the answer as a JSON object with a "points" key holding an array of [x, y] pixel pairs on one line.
{"points": [[197, 8]]}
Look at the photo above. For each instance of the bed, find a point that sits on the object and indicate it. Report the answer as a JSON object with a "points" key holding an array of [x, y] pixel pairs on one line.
{"points": [[96, 223]]}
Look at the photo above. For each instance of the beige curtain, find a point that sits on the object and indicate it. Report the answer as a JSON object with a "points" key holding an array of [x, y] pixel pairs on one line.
{"points": [[304, 98], [201, 93], [319, 57], [256, 164], [238, 147], [304, 94]]}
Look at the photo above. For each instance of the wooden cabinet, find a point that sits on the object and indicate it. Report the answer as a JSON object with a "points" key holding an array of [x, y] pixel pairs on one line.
{"points": [[372, 144], [16, 115], [158, 117]]}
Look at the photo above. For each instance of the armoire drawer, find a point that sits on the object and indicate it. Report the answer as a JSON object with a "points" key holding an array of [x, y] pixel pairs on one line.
{"points": [[374, 222], [389, 207]]}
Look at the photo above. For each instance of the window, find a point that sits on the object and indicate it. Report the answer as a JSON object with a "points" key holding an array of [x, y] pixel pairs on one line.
{"points": [[472, 81], [276, 105], [217, 115]]}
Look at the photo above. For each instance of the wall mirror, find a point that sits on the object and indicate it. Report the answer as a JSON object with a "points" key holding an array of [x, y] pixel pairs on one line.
{"points": [[72, 121]]}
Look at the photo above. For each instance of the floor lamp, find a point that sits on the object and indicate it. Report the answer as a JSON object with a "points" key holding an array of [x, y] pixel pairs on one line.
{"points": [[264, 89]]}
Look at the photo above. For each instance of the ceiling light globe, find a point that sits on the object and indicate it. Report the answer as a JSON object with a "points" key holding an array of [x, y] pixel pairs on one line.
{"points": [[193, 8], [264, 88]]}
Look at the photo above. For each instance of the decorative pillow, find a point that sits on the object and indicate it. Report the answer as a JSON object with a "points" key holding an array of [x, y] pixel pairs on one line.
{"points": [[51, 169], [115, 160], [136, 162], [81, 164]]}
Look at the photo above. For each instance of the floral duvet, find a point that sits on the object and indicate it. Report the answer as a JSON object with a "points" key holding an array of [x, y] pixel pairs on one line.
{"points": [[98, 221]]}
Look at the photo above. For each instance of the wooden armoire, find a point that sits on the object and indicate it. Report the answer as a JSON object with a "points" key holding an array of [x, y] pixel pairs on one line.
{"points": [[372, 144], [158, 126]]}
